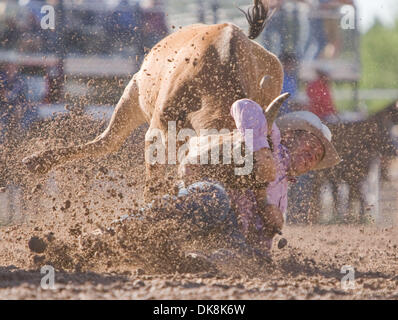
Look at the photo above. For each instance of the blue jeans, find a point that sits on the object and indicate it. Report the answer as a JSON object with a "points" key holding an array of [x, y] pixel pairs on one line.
{"points": [[204, 204]]}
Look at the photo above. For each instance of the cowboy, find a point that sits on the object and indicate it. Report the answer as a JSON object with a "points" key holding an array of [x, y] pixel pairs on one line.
{"points": [[297, 143]]}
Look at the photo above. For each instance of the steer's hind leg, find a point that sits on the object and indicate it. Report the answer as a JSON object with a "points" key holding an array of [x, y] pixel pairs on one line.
{"points": [[158, 164], [155, 181], [126, 117], [155, 158]]}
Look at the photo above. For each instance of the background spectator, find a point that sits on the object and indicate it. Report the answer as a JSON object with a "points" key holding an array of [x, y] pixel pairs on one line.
{"points": [[332, 27], [13, 102], [317, 39], [290, 80], [13, 86], [201, 11], [325, 36], [31, 32], [124, 24], [154, 23], [274, 33], [215, 5], [282, 30], [9, 37], [320, 96]]}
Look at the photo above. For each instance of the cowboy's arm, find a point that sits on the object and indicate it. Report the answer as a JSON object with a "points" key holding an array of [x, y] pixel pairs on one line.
{"points": [[264, 168], [249, 116], [266, 172], [272, 218]]}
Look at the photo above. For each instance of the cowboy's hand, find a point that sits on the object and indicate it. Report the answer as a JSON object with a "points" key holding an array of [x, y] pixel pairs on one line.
{"points": [[272, 218]]}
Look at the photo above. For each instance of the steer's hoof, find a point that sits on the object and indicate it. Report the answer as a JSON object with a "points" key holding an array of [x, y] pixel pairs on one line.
{"points": [[282, 243]]}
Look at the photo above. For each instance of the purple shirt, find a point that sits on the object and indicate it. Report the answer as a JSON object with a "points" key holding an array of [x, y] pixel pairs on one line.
{"points": [[249, 115]]}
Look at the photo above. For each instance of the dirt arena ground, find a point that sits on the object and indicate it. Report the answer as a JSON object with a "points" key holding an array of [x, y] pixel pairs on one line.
{"points": [[309, 268], [60, 220]]}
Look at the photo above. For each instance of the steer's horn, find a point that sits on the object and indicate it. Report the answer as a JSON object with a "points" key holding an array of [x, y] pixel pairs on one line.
{"points": [[272, 110]]}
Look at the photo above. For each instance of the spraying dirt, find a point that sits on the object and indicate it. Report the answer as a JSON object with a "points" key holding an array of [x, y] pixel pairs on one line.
{"points": [[66, 220]]}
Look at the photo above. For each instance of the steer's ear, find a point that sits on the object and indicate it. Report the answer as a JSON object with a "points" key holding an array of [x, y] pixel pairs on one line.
{"points": [[264, 81], [272, 110]]}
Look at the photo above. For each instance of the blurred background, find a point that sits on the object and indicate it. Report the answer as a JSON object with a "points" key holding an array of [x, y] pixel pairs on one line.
{"points": [[108, 39], [339, 57]]}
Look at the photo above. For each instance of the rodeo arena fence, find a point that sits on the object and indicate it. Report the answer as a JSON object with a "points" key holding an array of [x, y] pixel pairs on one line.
{"points": [[104, 42]]}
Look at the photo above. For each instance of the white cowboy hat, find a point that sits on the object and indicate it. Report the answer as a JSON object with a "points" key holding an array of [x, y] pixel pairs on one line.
{"points": [[307, 121]]}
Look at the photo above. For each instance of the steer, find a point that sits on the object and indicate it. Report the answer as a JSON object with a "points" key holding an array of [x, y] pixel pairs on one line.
{"points": [[191, 77]]}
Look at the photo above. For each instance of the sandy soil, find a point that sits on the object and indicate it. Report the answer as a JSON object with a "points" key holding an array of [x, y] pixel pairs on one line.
{"points": [[61, 220], [308, 268]]}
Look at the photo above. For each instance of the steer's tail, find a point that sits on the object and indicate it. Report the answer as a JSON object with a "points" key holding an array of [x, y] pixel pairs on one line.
{"points": [[257, 16], [126, 117]]}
